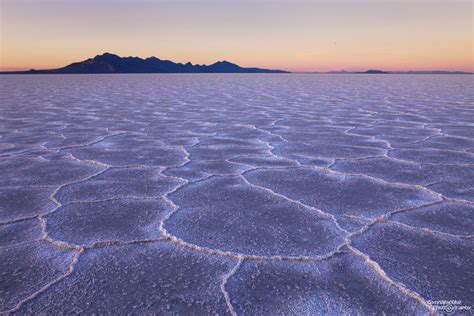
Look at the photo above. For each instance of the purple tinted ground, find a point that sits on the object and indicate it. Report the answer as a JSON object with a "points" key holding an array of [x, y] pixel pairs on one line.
{"points": [[236, 194]]}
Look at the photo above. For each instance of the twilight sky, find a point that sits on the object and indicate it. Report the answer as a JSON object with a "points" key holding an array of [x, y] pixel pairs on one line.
{"points": [[292, 35]]}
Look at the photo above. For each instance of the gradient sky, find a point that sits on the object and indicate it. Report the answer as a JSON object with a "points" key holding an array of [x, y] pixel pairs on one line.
{"points": [[292, 35]]}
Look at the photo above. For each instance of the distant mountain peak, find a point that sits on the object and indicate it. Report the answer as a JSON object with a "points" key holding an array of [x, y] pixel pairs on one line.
{"points": [[107, 55], [224, 62]]}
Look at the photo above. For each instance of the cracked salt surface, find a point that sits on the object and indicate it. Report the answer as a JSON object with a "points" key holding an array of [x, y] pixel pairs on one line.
{"points": [[335, 286], [235, 194]]}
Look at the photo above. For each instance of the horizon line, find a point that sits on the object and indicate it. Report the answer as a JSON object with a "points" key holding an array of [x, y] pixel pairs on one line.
{"points": [[333, 71]]}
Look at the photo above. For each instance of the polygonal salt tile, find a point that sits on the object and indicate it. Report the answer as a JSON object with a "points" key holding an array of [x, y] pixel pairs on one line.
{"points": [[30, 138], [26, 269], [20, 232], [343, 284], [413, 132], [35, 153], [447, 217], [459, 185], [113, 220], [24, 202], [312, 161], [448, 143], [266, 162], [193, 171], [130, 150], [80, 136], [330, 150], [461, 130], [431, 265], [225, 213], [21, 171], [157, 278], [339, 193], [226, 148], [116, 183], [434, 156], [340, 138], [389, 170], [352, 224], [186, 174]]}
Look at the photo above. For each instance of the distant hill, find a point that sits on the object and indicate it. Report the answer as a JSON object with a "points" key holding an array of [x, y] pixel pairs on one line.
{"points": [[431, 72], [374, 71], [406, 72], [110, 63]]}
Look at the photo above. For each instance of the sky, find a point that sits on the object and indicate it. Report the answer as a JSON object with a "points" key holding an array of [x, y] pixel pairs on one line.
{"points": [[291, 35]]}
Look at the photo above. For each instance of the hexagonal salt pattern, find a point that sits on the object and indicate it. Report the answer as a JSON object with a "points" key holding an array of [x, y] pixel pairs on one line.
{"points": [[235, 194]]}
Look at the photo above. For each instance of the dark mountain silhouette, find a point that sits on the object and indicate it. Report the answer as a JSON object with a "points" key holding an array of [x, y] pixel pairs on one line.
{"points": [[110, 63]]}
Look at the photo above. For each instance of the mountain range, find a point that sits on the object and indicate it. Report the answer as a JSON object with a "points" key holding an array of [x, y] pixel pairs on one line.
{"points": [[108, 63], [111, 63]]}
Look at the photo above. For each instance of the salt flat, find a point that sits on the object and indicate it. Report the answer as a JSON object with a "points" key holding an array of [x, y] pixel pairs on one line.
{"points": [[236, 194]]}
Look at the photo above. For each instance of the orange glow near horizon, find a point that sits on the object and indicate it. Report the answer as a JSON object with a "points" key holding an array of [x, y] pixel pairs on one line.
{"points": [[291, 35]]}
